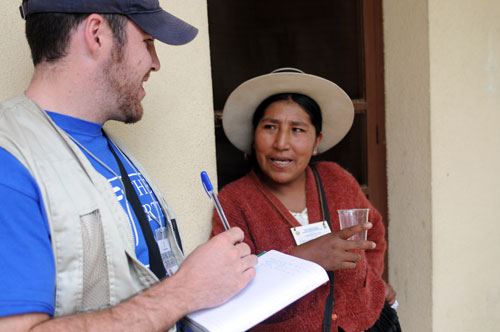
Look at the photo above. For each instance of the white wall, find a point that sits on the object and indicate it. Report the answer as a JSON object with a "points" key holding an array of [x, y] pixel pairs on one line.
{"points": [[465, 116], [16, 67], [408, 159], [443, 110]]}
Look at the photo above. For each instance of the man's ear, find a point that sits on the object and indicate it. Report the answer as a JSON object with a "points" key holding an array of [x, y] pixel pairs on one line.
{"points": [[96, 34]]}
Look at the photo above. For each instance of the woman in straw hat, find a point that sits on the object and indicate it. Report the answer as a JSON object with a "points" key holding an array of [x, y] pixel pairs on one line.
{"points": [[280, 120]]}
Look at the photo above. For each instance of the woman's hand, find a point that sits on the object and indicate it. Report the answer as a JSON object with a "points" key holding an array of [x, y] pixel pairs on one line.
{"points": [[390, 294], [333, 251]]}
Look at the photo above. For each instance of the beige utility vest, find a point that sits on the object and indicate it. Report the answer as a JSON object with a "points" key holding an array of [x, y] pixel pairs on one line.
{"points": [[92, 241]]}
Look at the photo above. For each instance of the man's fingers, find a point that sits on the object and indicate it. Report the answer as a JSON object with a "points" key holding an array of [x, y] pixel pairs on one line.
{"points": [[249, 262], [248, 275], [243, 249], [234, 235]]}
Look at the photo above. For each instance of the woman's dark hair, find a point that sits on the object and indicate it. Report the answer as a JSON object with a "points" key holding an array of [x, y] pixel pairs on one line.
{"points": [[48, 33], [308, 105]]}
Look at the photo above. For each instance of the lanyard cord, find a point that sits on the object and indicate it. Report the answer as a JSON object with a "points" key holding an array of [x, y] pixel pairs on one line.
{"points": [[131, 196], [151, 215], [139, 174], [155, 260], [96, 159], [173, 222]]}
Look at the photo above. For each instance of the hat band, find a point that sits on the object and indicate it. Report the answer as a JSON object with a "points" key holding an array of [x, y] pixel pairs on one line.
{"points": [[287, 70]]}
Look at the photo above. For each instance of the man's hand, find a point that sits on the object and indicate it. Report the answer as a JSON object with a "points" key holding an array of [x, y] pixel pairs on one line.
{"points": [[333, 251], [217, 270], [213, 273]]}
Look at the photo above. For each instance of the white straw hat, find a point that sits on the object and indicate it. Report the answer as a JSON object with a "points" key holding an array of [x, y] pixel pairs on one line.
{"points": [[336, 107]]}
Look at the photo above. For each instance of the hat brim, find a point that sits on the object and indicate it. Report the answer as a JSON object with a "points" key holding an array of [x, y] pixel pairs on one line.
{"points": [[337, 109], [165, 27]]}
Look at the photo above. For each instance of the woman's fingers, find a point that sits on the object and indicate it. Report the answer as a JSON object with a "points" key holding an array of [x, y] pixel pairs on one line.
{"points": [[353, 230]]}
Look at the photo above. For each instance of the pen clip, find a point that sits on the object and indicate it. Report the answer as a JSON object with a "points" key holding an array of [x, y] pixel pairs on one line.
{"points": [[207, 185]]}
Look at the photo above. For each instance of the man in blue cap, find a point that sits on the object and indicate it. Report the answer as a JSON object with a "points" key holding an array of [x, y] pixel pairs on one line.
{"points": [[88, 242]]}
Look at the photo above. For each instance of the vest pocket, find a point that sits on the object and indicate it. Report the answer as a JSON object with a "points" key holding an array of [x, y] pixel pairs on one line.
{"points": [[95, 268]]}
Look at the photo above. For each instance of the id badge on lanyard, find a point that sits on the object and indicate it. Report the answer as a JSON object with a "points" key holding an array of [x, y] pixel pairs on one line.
{"points": [[166, 253], [310, 232]]}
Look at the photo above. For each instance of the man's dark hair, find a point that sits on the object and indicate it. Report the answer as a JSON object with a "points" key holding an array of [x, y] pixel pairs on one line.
{"points": [[48, 34]]}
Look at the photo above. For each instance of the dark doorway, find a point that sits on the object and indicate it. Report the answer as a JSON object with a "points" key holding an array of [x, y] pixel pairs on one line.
{"points": [[338, 40]]}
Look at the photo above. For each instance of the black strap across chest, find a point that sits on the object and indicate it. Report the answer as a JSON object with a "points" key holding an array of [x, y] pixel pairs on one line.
{"points": [[155, 260], [329, 303]]}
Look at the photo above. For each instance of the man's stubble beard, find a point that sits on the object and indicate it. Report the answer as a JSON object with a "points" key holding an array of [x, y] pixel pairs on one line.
{"points": [[124, 92]]}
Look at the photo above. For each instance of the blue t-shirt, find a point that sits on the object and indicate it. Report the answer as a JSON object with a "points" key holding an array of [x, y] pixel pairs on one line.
{"points": [[27, 268]]}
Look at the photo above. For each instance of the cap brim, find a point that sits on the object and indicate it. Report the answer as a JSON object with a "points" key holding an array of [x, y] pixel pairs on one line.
{"points": [[337, 109], [165, 27]]}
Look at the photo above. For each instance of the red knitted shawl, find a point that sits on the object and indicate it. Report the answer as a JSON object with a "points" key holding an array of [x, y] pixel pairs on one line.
{"points": [[359, 294]]}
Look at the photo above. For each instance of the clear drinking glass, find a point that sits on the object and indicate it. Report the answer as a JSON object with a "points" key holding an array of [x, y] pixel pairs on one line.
{"points": [[351, 217]]}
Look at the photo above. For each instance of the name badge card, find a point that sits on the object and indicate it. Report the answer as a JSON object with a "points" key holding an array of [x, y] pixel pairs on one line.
{"points": [[166, 252], [310, 232]]}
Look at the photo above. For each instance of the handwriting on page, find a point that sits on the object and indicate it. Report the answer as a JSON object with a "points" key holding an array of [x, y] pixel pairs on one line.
{"points": [[281, 266], [281, 279]]}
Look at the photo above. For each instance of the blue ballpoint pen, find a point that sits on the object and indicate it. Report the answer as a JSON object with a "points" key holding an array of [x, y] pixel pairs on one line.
{"points": [[209, 189]]}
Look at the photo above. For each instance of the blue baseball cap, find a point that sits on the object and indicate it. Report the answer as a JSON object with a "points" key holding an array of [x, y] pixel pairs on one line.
{"points": [[147, 14]]}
